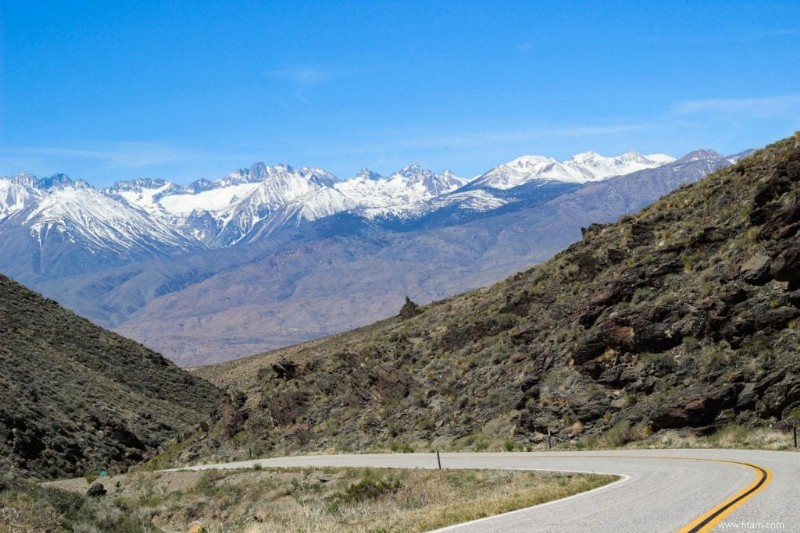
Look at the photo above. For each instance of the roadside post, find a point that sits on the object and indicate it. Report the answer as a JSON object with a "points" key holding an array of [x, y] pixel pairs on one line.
{"points": [[438, 459]]}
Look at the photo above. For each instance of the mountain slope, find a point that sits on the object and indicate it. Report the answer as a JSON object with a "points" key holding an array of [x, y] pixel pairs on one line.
{"points": [[74, 397], [685, 315]]}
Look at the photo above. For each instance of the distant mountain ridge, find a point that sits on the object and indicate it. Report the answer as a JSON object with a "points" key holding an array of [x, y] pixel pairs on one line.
{"points": [[301, 254], [157, 217]]}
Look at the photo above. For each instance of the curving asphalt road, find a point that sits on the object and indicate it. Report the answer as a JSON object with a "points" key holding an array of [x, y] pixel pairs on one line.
{"points": [[659, 490]]}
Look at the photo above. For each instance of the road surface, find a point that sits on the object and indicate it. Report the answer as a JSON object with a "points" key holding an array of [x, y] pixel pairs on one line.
{"points": [[659, 490]]}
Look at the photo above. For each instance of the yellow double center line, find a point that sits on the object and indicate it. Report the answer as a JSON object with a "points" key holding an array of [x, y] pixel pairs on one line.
{"points": [[711, 518], [708, 520]]}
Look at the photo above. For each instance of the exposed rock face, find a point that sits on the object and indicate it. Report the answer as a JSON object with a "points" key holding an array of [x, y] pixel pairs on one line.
{"points": [[685, 315], [232, 415], [285, 408], [756, 270], [388, 384], [786, 266], [696, 407]]}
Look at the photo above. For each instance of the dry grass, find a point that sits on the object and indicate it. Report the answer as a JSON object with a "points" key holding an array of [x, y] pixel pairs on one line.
{"points": [[20, 512], [328, 499], [733, 436]]}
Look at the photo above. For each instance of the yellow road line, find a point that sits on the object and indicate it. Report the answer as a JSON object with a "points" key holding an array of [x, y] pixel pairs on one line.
{"points": [[707, 521], [711, 518]]}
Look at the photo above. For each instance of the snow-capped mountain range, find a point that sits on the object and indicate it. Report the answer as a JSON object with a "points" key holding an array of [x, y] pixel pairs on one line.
{"points": [[155, 217], [272, 255], [257, 201]]}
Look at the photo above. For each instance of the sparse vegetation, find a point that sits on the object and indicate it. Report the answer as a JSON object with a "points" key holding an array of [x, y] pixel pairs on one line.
{"points": [[27, 506], [328, 499]]}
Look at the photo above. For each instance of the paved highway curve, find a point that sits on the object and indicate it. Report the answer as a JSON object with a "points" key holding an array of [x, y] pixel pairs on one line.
{"points": [[659, 490]]}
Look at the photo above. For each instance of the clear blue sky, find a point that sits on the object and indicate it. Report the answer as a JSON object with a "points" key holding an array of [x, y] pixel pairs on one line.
{"points": [[105, 90]]}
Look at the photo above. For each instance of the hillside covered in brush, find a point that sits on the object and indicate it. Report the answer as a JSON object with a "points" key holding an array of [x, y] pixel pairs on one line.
{"points": [[75, 397], [684, 315]]}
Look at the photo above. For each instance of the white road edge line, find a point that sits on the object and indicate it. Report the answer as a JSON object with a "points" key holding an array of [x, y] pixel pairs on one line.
{"points": [[623, 479]]}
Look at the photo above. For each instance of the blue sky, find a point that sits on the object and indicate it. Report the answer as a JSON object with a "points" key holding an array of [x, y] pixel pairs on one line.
{"points": [[183, 90]]}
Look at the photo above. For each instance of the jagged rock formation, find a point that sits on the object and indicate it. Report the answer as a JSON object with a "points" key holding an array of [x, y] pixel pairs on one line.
{"points": [[409, 309]]}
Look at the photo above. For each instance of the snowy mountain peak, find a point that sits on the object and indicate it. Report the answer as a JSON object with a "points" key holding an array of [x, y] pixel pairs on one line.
{"points": [[24, 180], [57, 181], [202, 184], [597, 167], [697, 155], [587, 157], [412, 171], [257, 172], [525, 169], [403, 191], [70, 212], [250, 203], [17, 193], [287, 195], [661, 159], [531, 162], [272, 170], [632, 155], [450, 176], [366, 174], [318, 176], [425, 182]]}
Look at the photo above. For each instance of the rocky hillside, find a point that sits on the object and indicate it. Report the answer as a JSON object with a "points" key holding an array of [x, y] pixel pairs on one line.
{"points": [[684, 315], [75, 397]]}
